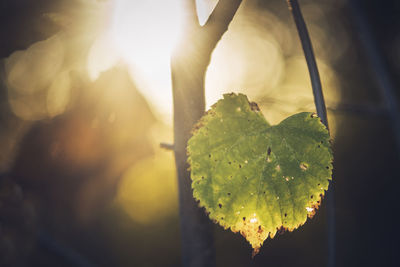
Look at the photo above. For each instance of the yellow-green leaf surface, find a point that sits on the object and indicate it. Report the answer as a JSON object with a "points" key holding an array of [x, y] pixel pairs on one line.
{"points": [[255, 178]]}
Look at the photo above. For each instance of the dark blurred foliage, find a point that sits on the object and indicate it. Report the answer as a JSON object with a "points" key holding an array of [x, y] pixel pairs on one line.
{"points": [[18, 224], [56, 204]]}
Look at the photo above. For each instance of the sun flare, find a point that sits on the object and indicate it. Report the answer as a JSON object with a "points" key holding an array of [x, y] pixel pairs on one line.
{"points": [[144, 34]]}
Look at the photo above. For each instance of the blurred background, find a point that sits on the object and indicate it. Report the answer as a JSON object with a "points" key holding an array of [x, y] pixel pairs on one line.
{"points": [[85, 101]]}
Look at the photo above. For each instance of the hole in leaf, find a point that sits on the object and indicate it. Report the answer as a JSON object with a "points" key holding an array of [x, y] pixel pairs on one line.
{"points": [[244, 218], [303, 166], [269, 151], [311, 196], [240, 166], [220, 205], [285, 215], [229, 193], [327, 167]]}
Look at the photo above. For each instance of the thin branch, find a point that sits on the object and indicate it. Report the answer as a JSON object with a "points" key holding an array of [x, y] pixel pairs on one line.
{"points": [[167, 146], [321, 111], [370, 110], [360, 110]]}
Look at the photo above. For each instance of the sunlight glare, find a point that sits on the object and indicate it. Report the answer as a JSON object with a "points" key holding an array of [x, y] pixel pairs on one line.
{"points": [[145, 32]]}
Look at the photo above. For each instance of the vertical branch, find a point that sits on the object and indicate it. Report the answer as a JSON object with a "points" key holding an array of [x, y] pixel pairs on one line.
{"points": [[189, 63], [321, 111]]}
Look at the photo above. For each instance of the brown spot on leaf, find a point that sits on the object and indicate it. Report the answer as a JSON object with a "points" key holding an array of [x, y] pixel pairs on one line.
{"points": [[281, 230], [254, 106]]}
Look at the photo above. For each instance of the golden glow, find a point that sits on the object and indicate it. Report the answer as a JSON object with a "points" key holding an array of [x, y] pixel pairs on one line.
{"points": [[58, 94], [148, 190], [248, 60], [144, 33], [37, 72]]}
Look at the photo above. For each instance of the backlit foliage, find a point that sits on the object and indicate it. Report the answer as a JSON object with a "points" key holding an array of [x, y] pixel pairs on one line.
{"points": [[255, 178]]}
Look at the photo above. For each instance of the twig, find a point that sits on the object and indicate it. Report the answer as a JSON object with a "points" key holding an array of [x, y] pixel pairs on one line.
{"points": [[321, 111], [167, 146]]}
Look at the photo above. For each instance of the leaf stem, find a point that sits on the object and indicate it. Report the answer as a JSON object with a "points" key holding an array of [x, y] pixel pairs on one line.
{"points": [[310, 58]]}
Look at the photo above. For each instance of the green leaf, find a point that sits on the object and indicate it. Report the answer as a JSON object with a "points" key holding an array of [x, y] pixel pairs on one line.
{"points": [[254, 178]]}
